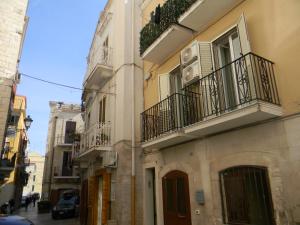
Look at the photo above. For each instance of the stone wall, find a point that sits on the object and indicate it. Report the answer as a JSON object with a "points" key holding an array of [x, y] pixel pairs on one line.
{"points": [[274, 145], [12, 33], [5, 104]]}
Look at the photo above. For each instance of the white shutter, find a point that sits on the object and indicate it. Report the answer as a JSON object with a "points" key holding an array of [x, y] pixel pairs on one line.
{"points": [[243, 34], [206, 60], [164, 86], [208, 85]]}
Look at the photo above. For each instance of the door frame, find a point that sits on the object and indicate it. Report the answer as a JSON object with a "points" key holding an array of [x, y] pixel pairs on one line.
{"points": [[188, 202], [106, 177]]}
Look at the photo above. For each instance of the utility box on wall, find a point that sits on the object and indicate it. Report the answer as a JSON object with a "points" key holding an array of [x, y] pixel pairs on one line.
{"points": [[200, 197]]}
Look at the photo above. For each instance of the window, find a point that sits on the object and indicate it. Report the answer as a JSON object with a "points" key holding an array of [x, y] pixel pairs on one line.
{"points": [[67, 164], [175, 81], [227, 49], [102, 108], [70, 132], [246, 196], [13, 120], [105, 50], [32, 188], [33, 178], [88, 120]]}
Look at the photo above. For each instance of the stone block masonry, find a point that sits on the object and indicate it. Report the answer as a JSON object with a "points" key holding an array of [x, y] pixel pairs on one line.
{"points": [[12, 32], [5, 101]]}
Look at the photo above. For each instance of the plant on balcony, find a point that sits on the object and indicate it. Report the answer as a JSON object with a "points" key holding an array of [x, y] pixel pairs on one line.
{"points": [[168, 15]]}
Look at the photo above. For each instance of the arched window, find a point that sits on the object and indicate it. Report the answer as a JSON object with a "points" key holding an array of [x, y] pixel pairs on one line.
{"points": [[246, 196]]}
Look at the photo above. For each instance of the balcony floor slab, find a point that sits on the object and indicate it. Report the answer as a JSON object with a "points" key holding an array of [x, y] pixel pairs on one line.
{"points": [[92, 153], [99, 76], [203, 13], [167, 44], [167, 139], [255, 112]]}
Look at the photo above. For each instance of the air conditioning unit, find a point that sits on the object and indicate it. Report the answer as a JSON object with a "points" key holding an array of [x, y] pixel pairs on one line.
{"points": [[190, 72], [110, 159], [190, 54]]}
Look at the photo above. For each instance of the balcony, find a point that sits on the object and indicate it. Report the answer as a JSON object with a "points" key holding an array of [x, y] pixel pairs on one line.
{"points": [[204, 13], [64, 140], [160, 39], [65, 175], [6, 167], [240, 93], [100, 67], [177, 22], [96, 138]]}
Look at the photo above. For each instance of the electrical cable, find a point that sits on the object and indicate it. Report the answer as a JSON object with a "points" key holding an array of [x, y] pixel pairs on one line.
{"points": [[51, 82], [63, 85]]}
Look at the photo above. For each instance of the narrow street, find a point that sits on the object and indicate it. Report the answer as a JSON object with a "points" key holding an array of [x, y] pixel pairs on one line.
{"points": [[45, 218]]}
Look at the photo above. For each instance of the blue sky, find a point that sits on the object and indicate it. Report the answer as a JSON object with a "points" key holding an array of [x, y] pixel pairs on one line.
{"points": [[56, 45]]}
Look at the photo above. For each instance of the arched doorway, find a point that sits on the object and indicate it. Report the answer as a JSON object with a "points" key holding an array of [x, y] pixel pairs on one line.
{"points": [[176, 198]]}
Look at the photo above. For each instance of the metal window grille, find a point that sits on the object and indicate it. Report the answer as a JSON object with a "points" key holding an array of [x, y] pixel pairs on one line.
{"points": [[246, 196]]}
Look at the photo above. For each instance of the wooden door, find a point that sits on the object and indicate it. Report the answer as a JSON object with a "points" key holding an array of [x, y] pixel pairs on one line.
{"points": [[92, 200], [176, 199], [84, 203]]}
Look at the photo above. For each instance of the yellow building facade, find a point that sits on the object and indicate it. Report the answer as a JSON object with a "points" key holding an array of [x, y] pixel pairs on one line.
{"points": [[221, 115], [14, 157]]}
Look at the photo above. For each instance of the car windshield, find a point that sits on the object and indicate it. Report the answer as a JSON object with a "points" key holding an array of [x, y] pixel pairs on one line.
{"points": [[67, 201]]}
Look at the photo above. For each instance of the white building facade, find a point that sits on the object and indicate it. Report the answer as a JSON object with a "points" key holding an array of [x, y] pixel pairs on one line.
{"points": [[12, 33], [113, 98], [65, 123], [35, 170]]}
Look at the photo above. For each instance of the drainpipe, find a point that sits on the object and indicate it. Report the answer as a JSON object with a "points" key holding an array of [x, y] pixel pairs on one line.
{"points": [[133, 221], [52, 155]]}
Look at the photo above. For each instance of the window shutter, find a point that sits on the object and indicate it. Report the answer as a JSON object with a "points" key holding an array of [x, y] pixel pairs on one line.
{"points": [[206, 59], [243, 34], [164, 86], [208, 85]]}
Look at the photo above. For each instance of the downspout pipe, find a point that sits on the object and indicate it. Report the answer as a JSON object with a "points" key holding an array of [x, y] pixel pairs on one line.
{"points": [[133, 196]]}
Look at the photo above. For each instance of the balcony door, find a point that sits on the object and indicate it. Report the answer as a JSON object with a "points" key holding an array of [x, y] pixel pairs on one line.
{"points": [[176, 199], [234, 78], [175, 81], [70, 132], [226, 50], [67, 164]]}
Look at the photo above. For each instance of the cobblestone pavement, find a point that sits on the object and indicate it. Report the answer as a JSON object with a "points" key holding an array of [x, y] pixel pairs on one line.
{"points": [[45, 218]]}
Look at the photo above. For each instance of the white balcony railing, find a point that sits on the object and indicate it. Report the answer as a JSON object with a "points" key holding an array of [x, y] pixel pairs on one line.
{"points": [[75, 149], [96, 137], [62, 140], [100, 56]]}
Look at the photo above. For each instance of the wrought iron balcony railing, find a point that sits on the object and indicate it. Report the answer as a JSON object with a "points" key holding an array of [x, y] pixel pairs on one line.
{"points": [[97, 136], [163, 18], [244, 81]]}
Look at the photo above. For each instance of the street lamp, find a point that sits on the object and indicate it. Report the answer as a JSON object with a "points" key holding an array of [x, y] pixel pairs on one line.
{"points": [[28, 122]]}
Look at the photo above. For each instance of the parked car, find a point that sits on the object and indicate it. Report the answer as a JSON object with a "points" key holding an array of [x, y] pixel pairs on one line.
{"points": [[66, 207], [23, 201], [14, 220]]}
